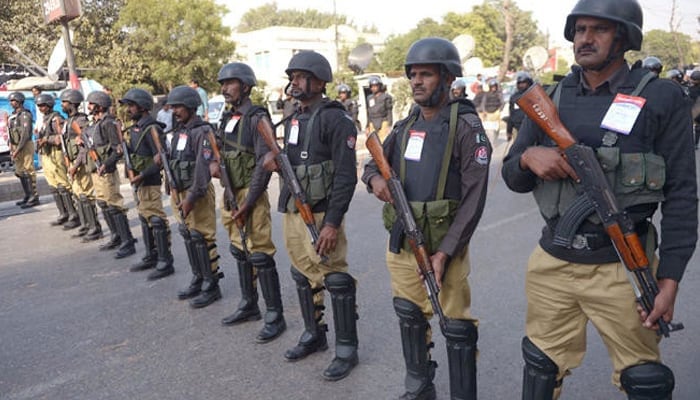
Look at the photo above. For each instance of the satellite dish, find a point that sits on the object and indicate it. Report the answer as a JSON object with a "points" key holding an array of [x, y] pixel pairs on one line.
{"points": [[535, 58], [465, 45], [58, 57], [473, 66], [360, 57]]}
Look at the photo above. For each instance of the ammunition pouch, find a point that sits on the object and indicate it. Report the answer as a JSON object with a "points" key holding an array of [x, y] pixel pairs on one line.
{"points": [[316, 181], [433, 218], [240, 165], [183, 173], [140, 163]]}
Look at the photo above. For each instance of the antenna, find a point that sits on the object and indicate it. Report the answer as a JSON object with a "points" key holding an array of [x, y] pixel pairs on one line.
{"points": [[465, 46], [535, 58], [58, 57], [360, 57]]}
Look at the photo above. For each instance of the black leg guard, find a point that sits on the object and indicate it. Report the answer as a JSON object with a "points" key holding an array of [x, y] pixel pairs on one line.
{"points": [[127, 246], [24, 181], [62, 212], [210, 291], [161, 236], [150, 256], [313, 338], [649, 381], [540, 373], [196, 282], [83, 209], [109, 214], [33, 199], [341, 286], [420, 369], [73, 217], [248, 309], [461, 337], [270, 285], [94, 228]]}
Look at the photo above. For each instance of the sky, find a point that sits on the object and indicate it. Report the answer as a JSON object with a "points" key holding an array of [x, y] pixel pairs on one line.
{"points": [[394, 17]]}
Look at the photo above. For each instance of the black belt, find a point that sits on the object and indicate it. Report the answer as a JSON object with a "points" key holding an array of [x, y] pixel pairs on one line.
{"points": [[599, 240]]}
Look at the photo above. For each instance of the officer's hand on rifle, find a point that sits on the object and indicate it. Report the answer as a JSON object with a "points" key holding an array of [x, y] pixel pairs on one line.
{"points": [[214, 169], [269, 162], [381, 189], [327, 240], [438, 261], [71, 171], [547, 163], [241, 214], [664, 304], [186, 206], [136, 180], [101, 171]]}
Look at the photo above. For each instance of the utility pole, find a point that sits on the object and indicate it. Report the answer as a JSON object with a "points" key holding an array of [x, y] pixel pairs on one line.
{"points": [[64, 11]]}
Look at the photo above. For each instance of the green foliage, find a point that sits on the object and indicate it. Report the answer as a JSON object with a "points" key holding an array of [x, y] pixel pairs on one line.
{"points": [[22, 24], [673, 49], [394, 55], [269, 15]]}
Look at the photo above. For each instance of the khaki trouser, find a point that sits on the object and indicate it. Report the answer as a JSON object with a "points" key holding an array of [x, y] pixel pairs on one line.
{"points": [[107, 189], [81, 184], [54, 167], [24, 162], [258, 227], [202, 219], [562, 297], [150, 203], [492, 123], [303, 255], [383, 131]]}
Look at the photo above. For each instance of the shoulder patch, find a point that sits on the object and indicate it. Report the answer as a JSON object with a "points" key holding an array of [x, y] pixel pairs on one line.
{"points": [[481, 155]]}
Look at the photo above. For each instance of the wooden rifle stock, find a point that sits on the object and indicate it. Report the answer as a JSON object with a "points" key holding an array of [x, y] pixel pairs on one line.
{"points": [[541, 110], [88, 145], [170, 180], [413, 234], [290, 179]]}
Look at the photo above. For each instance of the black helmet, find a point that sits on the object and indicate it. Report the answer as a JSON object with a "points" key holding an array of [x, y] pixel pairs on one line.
{"points": [[45, 98], [236, 70], [100, 98], [375, 81], [343, 88], [458, 84], [625, 12], [695, 76], [523, 76], [140, 97], [72, 96], [493, 82], [312, 62], [17, 96], [184, 95], [675, 74], [434, 51], [652, 64]]}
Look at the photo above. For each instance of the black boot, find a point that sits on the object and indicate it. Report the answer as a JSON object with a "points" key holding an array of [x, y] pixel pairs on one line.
{"points": [[34, 194], [24, 181], [73, 216], [164, 265], [127, 246], [109, 214], [420, 369], [313, 338], [62, 212], [196, 282], [270, 285], [248, 309], [94, 228], [210, 291], [83, 210], [461, 337], [150, 257], [341, 286]]}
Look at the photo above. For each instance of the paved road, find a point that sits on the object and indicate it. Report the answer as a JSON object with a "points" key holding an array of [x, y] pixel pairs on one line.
{"points": [[75, 324]]}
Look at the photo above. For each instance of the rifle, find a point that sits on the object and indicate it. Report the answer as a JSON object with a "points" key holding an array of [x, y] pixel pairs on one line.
{"points": [[64, 146], [413, 233], [128, 166], [290, 179], [229, 195], [171, 186], [89, 145], [598, 195]]}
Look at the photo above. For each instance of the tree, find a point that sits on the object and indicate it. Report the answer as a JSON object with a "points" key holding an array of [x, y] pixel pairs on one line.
{"points": [[176, 40], [22, 24], [394, 55], [269, 15], [656, 43]]}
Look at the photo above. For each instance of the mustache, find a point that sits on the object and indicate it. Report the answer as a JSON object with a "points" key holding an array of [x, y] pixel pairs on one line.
{"points": [[587, 47]]}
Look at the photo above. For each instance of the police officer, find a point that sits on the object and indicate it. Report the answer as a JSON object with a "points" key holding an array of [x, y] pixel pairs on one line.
{"points": [[458, 89], [147, 179], [677, 76], [49, 142], [242, 151], [523, 81], [105, 151], [81, 180], [567, 286], [653, 64], [442, 142], [379, 108], [491, 104], [22, 149], [320, 143], [345, 98], [191, 161]]}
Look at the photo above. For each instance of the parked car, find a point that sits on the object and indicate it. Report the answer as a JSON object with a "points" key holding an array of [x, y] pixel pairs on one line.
{"points": [[216, 109]]}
